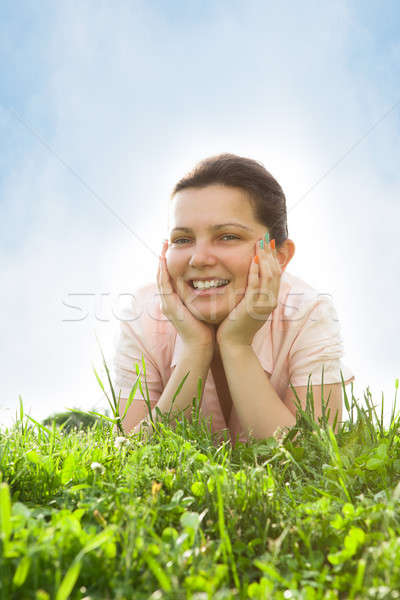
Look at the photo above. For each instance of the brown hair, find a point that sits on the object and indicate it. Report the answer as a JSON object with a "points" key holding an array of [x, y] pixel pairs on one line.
{"points": [[264, 192]]}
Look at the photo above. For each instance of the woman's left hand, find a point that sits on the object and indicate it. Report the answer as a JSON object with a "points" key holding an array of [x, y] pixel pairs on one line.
{"points": [[260, 299]]}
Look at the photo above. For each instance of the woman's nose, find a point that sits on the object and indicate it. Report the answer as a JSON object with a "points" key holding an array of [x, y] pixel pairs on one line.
{"points": [[202, 256]]}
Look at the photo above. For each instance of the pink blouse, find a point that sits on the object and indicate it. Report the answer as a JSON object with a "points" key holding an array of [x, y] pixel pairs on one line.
{"points": [[301, 335]]}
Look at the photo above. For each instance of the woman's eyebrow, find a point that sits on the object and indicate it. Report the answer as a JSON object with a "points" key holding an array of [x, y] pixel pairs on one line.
{"points": [[214, 227]]}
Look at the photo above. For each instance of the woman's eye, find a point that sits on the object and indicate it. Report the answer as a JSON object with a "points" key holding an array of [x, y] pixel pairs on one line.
{"points": [[181, 241]]}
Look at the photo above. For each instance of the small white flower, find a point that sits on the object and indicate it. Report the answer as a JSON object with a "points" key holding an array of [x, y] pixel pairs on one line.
{"points": [[97, 467], [120, 442], [279, 434]]}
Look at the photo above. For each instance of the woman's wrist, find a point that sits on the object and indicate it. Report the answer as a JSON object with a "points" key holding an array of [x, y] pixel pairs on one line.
{"points": [[201, 351], [226, 347]]}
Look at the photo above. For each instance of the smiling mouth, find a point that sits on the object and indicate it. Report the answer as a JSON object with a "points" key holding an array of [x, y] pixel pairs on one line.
{"points": [[211, 287], [210, 291], [223, 282]]}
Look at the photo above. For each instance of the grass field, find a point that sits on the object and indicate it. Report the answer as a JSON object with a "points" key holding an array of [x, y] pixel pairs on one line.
{"points": [[94, 515]]}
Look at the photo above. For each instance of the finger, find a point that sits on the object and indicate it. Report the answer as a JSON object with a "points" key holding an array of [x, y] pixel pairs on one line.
{"points": [[164, 278], [264, 269], [179, 286], [267, 277], [166, 273], [271, 252], [265, 266], [274, 253], [159, 261], [254, 272], [164, 247], [276, 263], [158, 273], [254, 269], [166, 286], [251, 290], [167, 293], [160, 287]]}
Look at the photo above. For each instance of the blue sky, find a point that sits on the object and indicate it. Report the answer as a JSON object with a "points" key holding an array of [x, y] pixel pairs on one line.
{"points": [[103, 107]]}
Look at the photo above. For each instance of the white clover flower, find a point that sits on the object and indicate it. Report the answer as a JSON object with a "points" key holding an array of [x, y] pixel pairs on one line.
{"points": [[120, 442], [279, 434], [97, 467]]}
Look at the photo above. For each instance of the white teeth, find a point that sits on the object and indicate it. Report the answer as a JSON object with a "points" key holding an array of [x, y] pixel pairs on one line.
{"points": [[210, 283]]}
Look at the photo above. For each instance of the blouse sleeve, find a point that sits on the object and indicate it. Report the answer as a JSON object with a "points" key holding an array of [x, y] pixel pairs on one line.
{"points": [[134, 340], [318, 345]]}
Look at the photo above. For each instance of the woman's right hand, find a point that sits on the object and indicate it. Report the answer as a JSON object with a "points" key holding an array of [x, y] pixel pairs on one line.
{"points": [[194, 333]]}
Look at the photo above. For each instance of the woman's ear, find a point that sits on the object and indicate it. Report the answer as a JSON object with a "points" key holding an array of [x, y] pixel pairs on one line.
{"points": [[286, 253]]}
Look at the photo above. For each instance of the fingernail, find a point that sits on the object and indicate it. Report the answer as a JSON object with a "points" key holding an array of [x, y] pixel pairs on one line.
{"points": [[267, 237], [256, 258], [272, 244], [261, 243]]}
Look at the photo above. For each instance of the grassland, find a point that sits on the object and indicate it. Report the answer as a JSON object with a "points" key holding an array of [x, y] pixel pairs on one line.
{"points": [[306, 514]]}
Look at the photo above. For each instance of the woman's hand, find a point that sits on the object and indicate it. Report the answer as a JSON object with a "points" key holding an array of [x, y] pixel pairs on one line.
{"points": [[260, 299], [193, 332]]}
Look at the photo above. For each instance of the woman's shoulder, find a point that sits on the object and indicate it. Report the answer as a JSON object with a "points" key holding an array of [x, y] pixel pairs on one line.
{"points": [[298, 296], [291, 285], [141, 295], [142, 307], [293, 281]]}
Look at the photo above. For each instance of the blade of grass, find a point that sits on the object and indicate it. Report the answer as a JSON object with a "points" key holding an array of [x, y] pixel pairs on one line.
{"points": [[369, 420], [335, 453], [393, 426], [225, 540], [323, 408], [145, 398], [158, 573], [110, 383], [72, 574], [196, 403], [102, 387], [138, 373], [130, 398], [145, 379], [69, 581], [21, 417], [178, 389], [346, 400], [22, 570], [396, 387], [21, 409], [5, 513], [39, 425], [383, 401], [94, 413], [115, 409]]}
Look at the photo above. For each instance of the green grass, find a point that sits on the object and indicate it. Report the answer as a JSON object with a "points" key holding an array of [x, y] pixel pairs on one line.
{"points": [[185, 515]]}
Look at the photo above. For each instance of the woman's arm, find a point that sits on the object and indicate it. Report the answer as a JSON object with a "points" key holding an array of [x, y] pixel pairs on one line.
{"points": [[259, 408], [194, 359], [198, 349]]}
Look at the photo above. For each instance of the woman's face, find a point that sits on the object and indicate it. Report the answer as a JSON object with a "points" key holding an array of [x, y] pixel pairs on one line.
{"points": [[212, 236]]}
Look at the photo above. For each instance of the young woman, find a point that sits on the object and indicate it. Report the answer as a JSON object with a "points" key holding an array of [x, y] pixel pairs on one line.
{"points": [[224, 309]]}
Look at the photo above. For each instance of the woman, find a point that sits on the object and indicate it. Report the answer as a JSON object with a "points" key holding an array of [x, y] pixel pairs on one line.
{"points": [[229, 313]]}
